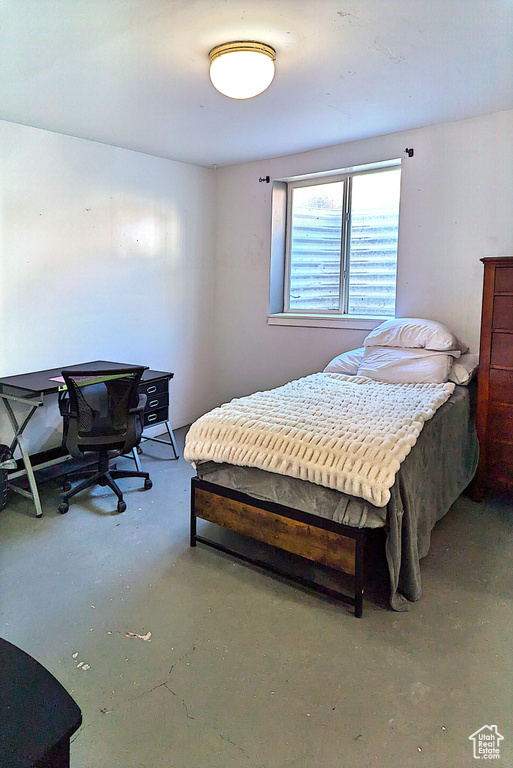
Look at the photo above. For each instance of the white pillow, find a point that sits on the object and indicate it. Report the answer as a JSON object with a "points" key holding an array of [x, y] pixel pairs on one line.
{"points": [[405, 366], [413, 333], [464, 369], [347, 362]]}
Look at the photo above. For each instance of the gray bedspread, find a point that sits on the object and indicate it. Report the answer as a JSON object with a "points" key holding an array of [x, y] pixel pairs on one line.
{"points": [[433, 475]]}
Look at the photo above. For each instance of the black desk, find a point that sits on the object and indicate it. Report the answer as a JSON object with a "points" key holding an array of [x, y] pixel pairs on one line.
{"points": [[37, 715], [30, 389]]}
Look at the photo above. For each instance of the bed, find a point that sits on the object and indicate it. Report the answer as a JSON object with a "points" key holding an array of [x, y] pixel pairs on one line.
{"points": [[331, 527]]}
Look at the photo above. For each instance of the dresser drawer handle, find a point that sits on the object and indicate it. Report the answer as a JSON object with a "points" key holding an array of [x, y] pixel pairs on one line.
{"points": [[152, 389], [153, 403], [152, 417]]}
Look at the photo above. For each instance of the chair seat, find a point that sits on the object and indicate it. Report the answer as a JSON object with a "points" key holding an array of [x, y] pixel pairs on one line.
{"points": [[104, 428]]}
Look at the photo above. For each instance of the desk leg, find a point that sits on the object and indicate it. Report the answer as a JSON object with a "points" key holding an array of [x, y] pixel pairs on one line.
{"points": [[18, 441], [17, 430], [171, 441], [34, 492], [137, 460]]}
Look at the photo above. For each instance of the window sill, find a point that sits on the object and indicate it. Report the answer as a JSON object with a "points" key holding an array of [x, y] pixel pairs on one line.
{"points": [[349, 322]]}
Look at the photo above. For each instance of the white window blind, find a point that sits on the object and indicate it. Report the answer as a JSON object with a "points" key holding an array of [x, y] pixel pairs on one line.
{"points": [[341, 245]]}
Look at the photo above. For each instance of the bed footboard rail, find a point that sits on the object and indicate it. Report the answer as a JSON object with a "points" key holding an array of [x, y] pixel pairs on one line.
{"points": [[332, 546]]}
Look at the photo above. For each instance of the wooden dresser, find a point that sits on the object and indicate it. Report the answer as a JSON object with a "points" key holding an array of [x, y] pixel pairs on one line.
{"points": [[495, 382]]}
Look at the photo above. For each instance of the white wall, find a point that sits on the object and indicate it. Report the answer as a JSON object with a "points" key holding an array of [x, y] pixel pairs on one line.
{"points": [[456, 207], [105, 254]]}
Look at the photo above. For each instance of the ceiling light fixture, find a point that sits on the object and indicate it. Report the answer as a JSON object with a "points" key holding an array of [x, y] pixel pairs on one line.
{"points": [[242, 70]]}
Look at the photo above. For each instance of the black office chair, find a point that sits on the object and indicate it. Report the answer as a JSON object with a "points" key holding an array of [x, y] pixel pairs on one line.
{"points": [[102, 413]]}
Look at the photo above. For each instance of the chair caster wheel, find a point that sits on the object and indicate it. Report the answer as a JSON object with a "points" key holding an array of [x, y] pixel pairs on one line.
{"points": [[139, 450], [66, 486], [148, 484], [63, 508], [121, 506]]}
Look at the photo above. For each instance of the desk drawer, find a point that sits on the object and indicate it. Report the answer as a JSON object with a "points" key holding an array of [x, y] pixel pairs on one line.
{"points": [[155, 416], [153, 388], [154, 402]]}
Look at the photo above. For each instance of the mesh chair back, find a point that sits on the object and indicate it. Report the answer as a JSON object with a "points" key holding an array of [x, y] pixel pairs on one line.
{"points": [[102, 409]]}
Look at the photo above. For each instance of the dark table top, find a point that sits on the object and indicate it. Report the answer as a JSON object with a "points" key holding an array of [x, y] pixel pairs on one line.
{"points": [[40, 382], [36, 712]]}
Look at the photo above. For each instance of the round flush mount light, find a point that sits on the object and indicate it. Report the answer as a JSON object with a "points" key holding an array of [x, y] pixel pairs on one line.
{"points": [[242, 70]]}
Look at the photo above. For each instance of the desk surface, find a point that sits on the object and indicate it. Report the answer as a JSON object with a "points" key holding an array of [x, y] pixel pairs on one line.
{"points": [[40, 382]]}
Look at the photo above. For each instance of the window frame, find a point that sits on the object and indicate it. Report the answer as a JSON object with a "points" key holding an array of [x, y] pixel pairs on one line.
{"points": [[339, 317]]}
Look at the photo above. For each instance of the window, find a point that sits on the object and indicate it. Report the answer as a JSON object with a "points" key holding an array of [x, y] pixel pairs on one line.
{"points": [[339, 243]]}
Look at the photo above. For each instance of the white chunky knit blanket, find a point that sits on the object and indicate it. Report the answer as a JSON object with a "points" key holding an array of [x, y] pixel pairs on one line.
{"points": [[344, 432]]}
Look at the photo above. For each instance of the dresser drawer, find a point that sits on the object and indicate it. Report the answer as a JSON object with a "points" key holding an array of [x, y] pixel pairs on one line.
{"points": [[152, 388], [502, 350], [500, 423], [501, 386], [156, 416], [503, 279], [502, 318], [500, 466]]}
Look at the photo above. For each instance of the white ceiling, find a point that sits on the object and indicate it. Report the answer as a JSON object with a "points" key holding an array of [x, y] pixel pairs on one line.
{"points": [[134, 73]]}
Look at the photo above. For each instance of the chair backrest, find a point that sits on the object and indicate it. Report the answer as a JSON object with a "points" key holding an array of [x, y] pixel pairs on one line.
{"points": [[101, 410]]}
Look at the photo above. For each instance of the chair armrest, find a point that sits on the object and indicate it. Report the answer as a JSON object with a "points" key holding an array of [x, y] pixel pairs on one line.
{"points": [[141, 405]]}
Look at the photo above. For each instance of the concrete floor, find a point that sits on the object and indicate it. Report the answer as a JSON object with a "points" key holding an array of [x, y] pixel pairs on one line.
{"points": [[242, 669]]}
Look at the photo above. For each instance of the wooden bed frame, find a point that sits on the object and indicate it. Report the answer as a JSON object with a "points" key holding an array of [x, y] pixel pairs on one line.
{"points": [[332, 546]]}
